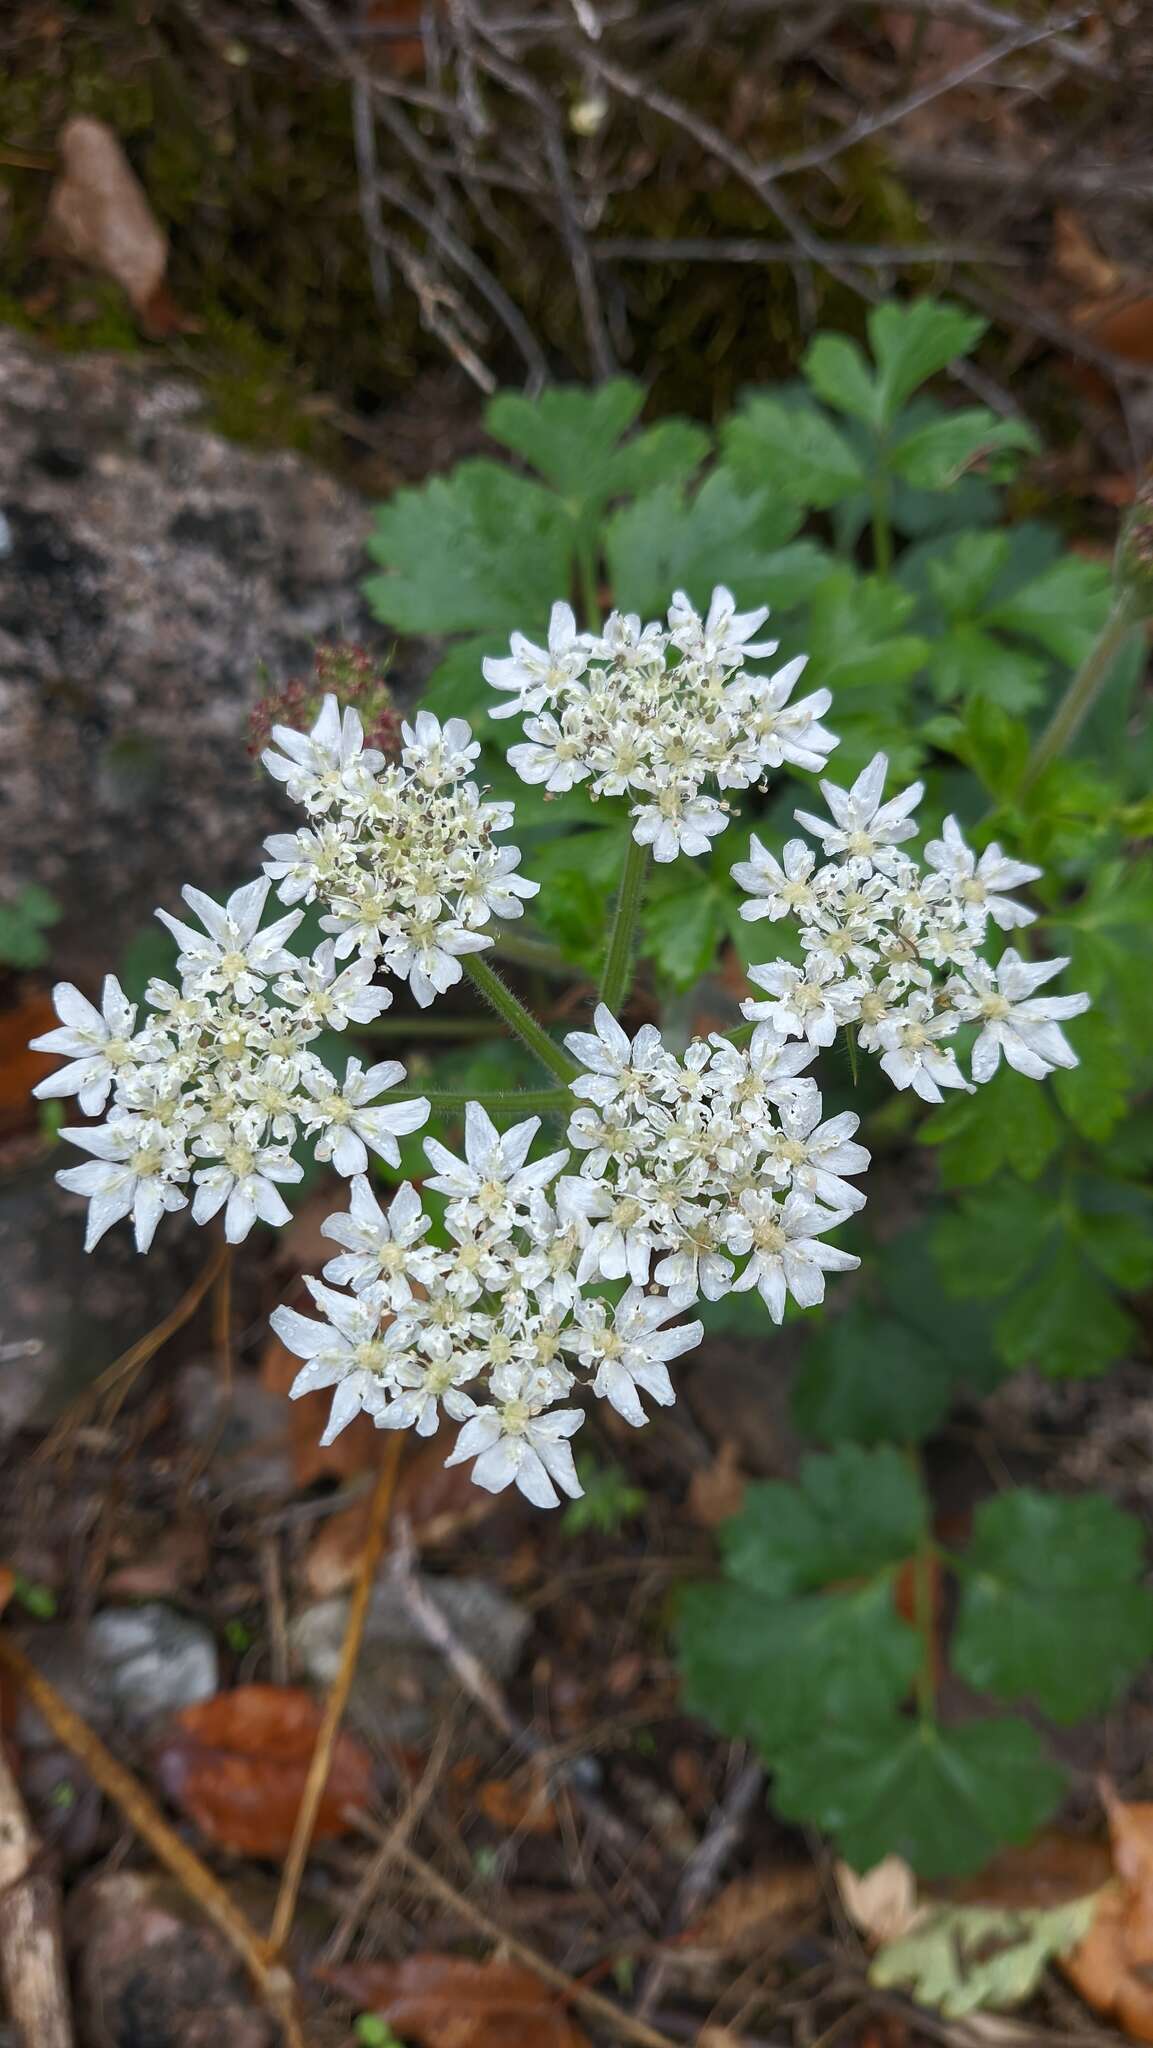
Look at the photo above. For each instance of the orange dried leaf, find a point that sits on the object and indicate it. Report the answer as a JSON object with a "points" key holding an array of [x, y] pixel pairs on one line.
{"points": [[236, 1765], [439, 2001], [520, 1804], [740, 1912], [1112, 1967], [20, 1068], [718, 1491]]}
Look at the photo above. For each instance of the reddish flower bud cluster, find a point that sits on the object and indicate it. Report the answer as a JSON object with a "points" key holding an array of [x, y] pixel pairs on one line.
{"points": [[344, 670]]}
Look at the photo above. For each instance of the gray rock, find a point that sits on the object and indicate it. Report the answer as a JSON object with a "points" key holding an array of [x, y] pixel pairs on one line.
{"points": [[151, 573], [124, 1668], [402, 1683]]}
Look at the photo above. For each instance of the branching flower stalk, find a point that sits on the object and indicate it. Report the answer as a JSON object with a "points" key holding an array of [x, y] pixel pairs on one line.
{"points": [[510, 1287]]}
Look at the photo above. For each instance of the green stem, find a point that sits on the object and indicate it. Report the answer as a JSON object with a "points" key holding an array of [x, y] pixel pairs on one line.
{"points": [[1084, 689], [882, 531], [521, 1021], [589, 584], [514, 1101], [851, 1045], [617, 979], [925, 1686]]}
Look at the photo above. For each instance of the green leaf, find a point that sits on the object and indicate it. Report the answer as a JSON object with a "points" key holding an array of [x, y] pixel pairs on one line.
{"points": [[944, 1799], [1120, 1243], [666, 542], [839, 373], [853, 638], [871, 1379], [989, 1241], [969, 660], [481, 549], [456, 687], [572, 911], [682, 931], [573, 437], [911, 343], [1007, 1123], [933, 457], [853, 1512], [962, 575], [1051, 1608], [1062, 610], [994, 744], [793, 449], [966, 1959], [23, 924], [766, 1671], [1066, 1322]]}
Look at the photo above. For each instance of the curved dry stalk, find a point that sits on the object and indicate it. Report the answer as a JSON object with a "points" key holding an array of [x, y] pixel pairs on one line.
{"points": [[321, 1764]]}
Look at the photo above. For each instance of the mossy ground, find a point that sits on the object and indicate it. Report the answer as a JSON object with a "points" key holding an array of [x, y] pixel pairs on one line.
{"points": [[246, 154]]}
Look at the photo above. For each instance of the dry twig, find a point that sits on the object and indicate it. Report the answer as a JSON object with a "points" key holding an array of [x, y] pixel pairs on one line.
{"points": [[31, 1949], [334, 1706]]}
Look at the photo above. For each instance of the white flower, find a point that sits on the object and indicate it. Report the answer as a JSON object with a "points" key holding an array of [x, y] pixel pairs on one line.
{"points": [[354, 1350], [777, 889], [665, 716], [438, 753], [534, 676], [428, 955], [232, 953], [316, 767], [516, 1443], [814, 1156], [913, 1056], [132, 1173], [865, 829], [98, 1043], [381, 1250], [632, 1351], [1015, 1021], [806, 1002], [979, 885], [493, 1181], [332, 997], [494, 889], [621, 1069], [787, 1255], [350, 1128], [245, 1179]]}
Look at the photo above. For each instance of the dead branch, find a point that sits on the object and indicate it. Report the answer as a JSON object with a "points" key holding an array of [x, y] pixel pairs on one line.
{"points": [[31, 1949]]}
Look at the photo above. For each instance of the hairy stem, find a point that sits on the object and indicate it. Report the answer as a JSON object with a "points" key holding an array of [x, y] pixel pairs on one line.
{"points": [[521, 1021], [1084, 689], [617, 978], [882, 531], [518, 1101]]}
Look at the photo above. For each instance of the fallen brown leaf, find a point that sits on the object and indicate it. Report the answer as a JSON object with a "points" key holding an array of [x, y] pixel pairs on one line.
{"points": [[740, 1913], [236, 1765], [438, 1504], [1047, 1871], [99, 215], [1112, 1967], [718, 1490], [439, 2001], [20, 1068], [881, 1902], [1079, 262], [520, 1804]]}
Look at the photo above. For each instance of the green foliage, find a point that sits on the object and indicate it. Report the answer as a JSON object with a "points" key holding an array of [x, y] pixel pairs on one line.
{"points": [[24, 924], [870, 512], [1051, 1608], [608, 1502], [802, 1650], [967, 1959]]}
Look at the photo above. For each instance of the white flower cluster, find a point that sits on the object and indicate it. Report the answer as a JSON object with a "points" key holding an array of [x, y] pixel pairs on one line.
{"points": [[691, 1167], [892, 947], [499, 1311], [400, 854], [219, 1083], [642, 712]]}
